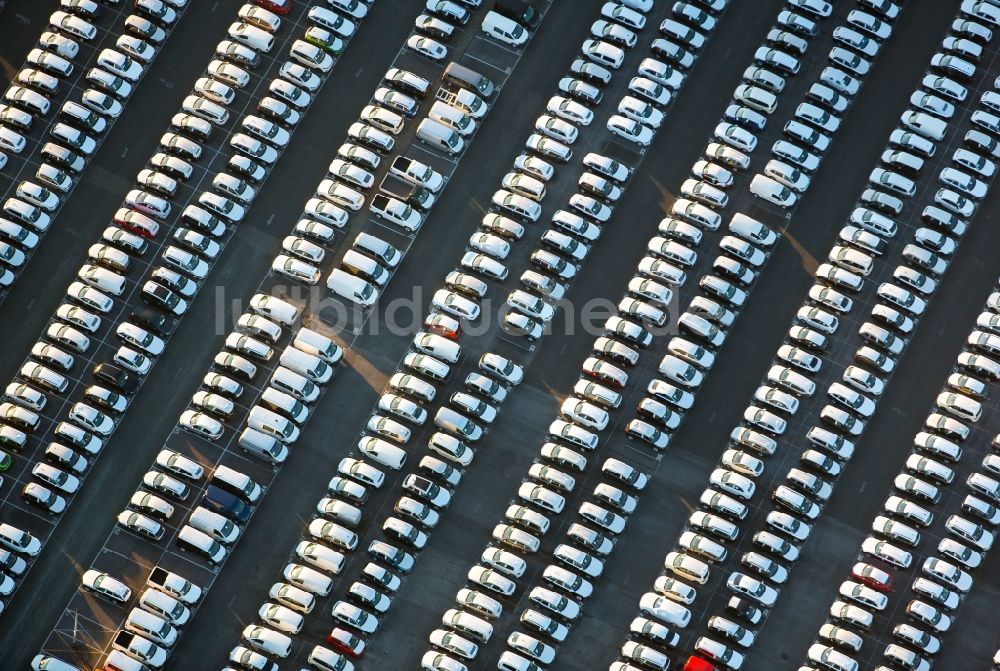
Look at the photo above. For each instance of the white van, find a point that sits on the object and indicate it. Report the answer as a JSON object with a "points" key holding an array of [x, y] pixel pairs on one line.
{"points": [[352, 288], [272, 424], [292, 383], [102, 279], [237, 482], [386, 254], [772, 191], [119, 661], [306, 364], [506, 30], [274, 308], [437, 346], [252, 36], [314, 343], [924, 124], [286, 404], [457, 424], [752, 230], [452, 117], [440, 136], [263, 446], [383, 452], [365, 267], [468, 624], [214, 524], [193, 540], [151, 626]]}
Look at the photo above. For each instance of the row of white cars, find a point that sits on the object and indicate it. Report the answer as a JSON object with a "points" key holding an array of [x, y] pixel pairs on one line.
{"points": [[543, 494], [322, 552], [99, 282], [75, 136], [683, 369], [167, 292], [89, 422], [462, 422], [907, 515], [856, 44], [575, 230], [945, 577], [406, 193], [405, 403], [799, 501], [284, 404]]}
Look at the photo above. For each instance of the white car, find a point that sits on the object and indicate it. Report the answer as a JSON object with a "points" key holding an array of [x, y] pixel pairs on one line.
{"points": [[119, 64], [630, 129], [267, 640], [555, 603], [570, 110], [735, 137], [92, 419], [427, 47], [641, 111], [179, 464], [453, 643], [281, 618], [201, 424], [490, 244], [754, 589], [650, 91]]}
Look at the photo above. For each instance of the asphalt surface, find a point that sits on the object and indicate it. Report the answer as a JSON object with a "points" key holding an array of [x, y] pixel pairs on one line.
{"points": [[498, 468]]}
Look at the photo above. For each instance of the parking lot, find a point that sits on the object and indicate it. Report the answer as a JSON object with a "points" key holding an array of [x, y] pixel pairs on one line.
{"points": [[82, 629], [110, 26]]}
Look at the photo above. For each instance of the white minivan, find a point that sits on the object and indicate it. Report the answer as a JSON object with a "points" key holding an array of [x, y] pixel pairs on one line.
{"points": [[353, 288], [506, 30]]}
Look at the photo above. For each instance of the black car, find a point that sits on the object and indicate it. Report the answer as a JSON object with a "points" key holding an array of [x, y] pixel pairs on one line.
{"points": [[522, 12], [116, 377], [744, 609], [222, 502], [159, 296], [746, 117], [152, 319]]}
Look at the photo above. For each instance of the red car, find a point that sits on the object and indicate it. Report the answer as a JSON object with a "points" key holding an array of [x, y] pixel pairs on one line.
{"points": [[345, 642], [872, 576], [277, 6], [137, 222], [442, 325], [698, 664]]}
